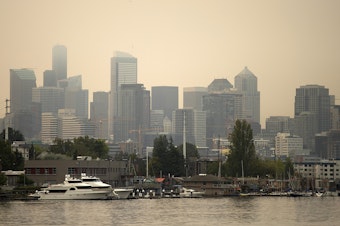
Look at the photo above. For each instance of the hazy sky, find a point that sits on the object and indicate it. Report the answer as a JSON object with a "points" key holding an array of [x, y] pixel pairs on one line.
{"points": [[182, 43]]}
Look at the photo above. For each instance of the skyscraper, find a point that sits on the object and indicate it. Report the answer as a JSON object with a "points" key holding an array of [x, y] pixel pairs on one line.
{"points": [[50, 98], [99, 114], [21, 83], [195, 127], [59, 61], [246, 82], [192, 97], [23, 112], [50, 78], [123, 71], [165, 98], [134, 113], [314, 99]]}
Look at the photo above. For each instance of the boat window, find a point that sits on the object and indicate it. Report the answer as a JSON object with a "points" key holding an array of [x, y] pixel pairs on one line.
{"points": [[72, 189]]}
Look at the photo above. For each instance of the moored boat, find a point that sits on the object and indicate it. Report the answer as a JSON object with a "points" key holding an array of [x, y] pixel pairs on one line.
{"points": [[190, 193], [71, 189]]}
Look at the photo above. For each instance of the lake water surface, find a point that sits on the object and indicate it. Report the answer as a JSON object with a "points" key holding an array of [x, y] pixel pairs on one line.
{"points": [[200, 211]]}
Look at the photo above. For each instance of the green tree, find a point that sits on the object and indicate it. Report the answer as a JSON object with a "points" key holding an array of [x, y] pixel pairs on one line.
{"points": [[166, 158], [192, 156], [10, 160], [242, 151], [3, 179], [13, 135]]}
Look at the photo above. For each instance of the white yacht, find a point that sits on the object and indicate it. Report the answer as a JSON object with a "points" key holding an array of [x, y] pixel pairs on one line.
{"points": [[72, 188], [97, 184]]}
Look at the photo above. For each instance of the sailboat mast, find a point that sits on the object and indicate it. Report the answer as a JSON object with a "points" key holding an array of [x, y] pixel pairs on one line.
{"points": [[185, 145]]}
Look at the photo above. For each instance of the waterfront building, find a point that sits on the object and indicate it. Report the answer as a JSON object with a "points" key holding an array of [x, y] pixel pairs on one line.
{"points": [[123, 71], [99, 114], [165, 98], [59, 61], [246, 83], [287, 145], [192, 97], [115, 173], [195, 127], [317, 170]]}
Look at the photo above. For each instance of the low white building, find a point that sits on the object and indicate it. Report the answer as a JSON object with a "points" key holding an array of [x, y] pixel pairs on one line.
{"points": [[287, 145]]}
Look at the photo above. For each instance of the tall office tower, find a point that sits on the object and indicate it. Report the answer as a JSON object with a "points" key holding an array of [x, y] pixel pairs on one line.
{"points": [[222, 111], [335, 117], [21, 83], [220, 85], [192, 97], [76, 97], [99, 110], [195, 127], [246, 82], [50, 98], [315, 99], [59, 61], [306, 128], [22, 116], [327, 145], [134, 113], [49, 127], [165, 98], [123, 71], [50, 78]]}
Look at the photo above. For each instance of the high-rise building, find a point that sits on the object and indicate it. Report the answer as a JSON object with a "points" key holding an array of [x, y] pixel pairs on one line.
{"points": [[50, 78], [23, 112], [99, 114], [50, 98], [328, 145], [134, 113], [315, 99], [165, 98], [192, 97], [49, 127], [21, 83], [305, 127], [195, 127], [59, 61], [123, 71], [76, 97], [246, 82]]}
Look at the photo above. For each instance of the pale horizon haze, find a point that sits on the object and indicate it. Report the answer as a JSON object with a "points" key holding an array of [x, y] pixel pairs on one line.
{"points": [[183, 43]]}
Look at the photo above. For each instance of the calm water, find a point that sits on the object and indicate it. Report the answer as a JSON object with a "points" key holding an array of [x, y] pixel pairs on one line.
{"points": [[204, 211]]}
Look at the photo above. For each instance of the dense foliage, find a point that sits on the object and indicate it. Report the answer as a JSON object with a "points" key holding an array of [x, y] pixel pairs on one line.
{"points": [[13, 135], [10, 160], [166, 158], [80, 146]]}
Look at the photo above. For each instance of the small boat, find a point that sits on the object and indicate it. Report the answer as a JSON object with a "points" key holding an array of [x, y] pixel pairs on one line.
{"points": [[71, 189], [190, 193], [123, 193]]}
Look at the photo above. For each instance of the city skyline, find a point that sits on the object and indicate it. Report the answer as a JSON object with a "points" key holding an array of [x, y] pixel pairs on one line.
{"points": [[286, 44]]}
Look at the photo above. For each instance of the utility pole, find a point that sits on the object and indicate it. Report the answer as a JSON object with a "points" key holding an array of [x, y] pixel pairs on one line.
{"points": [[7, 119]]}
